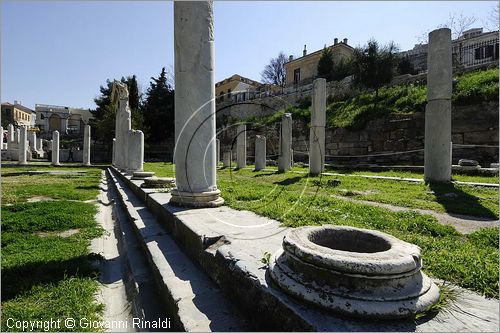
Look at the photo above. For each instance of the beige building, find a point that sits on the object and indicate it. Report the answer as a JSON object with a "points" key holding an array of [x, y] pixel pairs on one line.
{"points": [[17, 114], [235, 88], [303, 70], [66, 120]]}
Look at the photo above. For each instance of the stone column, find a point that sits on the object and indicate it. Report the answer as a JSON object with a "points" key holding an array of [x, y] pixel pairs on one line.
{"points": [[55, 148], [317, 131], [23, 146], [17, 136], [135, 151], [86, 145], [285, 157], [241, 146], [226, 159], [217, 149], [39, 144], [437, 166], [113, 153], [10, 133], [32, 139], [1, 136], [194, 154], [260, 152]]}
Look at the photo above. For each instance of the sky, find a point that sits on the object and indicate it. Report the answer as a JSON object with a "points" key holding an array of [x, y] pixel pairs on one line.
{"points": [[60, 52]]}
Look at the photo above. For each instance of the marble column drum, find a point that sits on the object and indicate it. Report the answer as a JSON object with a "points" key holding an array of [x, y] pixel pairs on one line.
{"points": [[86, 145], [285, 158], [437, 152], [241, 146], [260, 152], [317, 130], [23, 146], [194, 154], [55, 148], [135, 151]]}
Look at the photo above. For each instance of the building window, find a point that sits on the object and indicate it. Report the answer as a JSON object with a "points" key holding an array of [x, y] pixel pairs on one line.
{"points": [[296, 76], [221, 96], [484, 52]]}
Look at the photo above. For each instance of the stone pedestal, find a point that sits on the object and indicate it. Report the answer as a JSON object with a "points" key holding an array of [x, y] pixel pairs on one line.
{"points": [[317, 131], [437, 155], [23, 146], [55, 148], [260, 152], [86, 145], [285, 153], [194, 154], [241, 146], [226, 159], [135, 151]]}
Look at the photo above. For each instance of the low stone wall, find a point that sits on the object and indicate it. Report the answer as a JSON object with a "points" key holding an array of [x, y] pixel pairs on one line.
{"points": [[388, 138]]}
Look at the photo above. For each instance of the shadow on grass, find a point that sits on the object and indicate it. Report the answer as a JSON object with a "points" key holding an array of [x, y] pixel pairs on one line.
{"points": [[289, 181], [264, 174], [20, 279], [456, 201], [90, 187]]}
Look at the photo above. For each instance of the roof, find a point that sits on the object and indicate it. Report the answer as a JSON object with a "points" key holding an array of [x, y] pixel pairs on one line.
{"points": [[240, 78], [321, 50], [19, 106]]}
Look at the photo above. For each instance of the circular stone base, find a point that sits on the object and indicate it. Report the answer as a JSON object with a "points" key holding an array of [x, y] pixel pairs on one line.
{"points": [[356, 272], [142, 174], [158, 182], [196, 200]]}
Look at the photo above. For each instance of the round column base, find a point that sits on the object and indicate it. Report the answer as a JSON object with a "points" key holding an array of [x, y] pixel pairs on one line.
{"points": [[210, 199]]}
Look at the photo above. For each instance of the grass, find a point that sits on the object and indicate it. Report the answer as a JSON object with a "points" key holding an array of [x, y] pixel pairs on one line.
{"points": [[354, 112], [470, 261], [45, 275]]}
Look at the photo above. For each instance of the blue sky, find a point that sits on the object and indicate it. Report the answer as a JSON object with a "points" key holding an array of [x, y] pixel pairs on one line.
{"points": [[60, 52]]}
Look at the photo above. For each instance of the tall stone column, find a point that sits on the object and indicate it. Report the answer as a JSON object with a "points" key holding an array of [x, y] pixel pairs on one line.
{"points": [[23, 146], [226, 159], [217, 149], [86, 145], [10, 133], [1, 136], [194, 154], [260, 152], [32, 139], [123, 124], [17, 136], [437, 166], [113, 153], [241, 146], [55, 148], [317, 131], [285, 157], [135, 151]]}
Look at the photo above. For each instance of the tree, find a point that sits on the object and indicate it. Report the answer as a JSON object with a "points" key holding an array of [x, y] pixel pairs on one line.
{"points": [[274, 72], [105, 112], [341, 69], [457, 23], [373, 65], [325, 64], [405, 66], [158, 108]]}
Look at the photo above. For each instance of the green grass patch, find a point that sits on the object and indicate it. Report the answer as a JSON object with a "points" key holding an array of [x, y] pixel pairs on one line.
{"points": [[297, 200], [476, 87], [46, 274]]}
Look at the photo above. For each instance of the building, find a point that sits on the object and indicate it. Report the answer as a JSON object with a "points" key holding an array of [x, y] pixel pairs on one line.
{"points": [[236, 89], [304, 70], [17, 114], [474, 47], [66, 120]]}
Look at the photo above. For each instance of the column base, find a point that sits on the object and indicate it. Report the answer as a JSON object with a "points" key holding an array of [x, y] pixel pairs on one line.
{"points": [[209, 199]]}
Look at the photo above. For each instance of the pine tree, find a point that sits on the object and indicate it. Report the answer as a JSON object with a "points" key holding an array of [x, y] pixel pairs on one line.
{"points": [[325, 64]]}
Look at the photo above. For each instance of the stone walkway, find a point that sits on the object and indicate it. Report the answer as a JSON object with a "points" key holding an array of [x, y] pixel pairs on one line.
{"points": [[463, 223]]}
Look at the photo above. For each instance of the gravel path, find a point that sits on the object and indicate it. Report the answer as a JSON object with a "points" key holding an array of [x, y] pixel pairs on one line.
{"points": [[463, 223]]}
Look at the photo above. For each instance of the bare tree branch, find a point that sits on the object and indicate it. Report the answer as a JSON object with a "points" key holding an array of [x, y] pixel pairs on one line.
{"points": [[274, 72]]}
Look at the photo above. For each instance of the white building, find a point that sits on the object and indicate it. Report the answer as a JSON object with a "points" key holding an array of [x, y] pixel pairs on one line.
{"points": [[66, 120]]}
